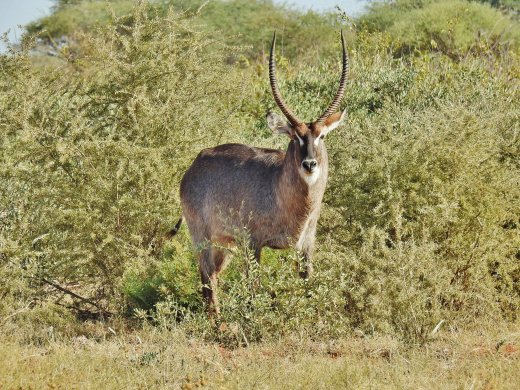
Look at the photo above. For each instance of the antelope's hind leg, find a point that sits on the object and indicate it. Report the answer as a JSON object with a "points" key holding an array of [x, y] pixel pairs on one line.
{"points": [[211, 262]]}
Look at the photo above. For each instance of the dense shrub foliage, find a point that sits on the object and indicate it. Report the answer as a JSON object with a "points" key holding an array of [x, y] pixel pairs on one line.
{"points": [[93, 151], [421, 215], [451, 27], [246, 23]]}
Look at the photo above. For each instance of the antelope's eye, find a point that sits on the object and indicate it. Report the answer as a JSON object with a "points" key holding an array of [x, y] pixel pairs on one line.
{"points": [[322, 136]]}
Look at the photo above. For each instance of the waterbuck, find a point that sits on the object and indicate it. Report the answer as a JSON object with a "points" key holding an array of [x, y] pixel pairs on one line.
{"points": [[275, 195]]}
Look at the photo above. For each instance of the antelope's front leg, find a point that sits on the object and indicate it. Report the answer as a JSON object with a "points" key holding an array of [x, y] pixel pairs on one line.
{"points": [[305, 255], [306, 265]]}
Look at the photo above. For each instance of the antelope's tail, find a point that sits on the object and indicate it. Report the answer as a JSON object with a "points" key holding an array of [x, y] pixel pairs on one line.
{"points": [[175, 229]]}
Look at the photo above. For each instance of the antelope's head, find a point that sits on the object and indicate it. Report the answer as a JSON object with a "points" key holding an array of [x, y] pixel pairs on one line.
{"points": [[307, 137]]}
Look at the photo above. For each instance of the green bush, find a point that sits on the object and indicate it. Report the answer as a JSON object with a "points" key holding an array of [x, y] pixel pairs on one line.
{"points": [[246, 23], [69, 17], [421, 210], [452, 27], [92, 152], [173, 276], [420, 221]]}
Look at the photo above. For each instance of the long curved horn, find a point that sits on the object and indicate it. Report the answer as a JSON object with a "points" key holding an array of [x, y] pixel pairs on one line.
{"points": [[341, 90], [276, 92]]}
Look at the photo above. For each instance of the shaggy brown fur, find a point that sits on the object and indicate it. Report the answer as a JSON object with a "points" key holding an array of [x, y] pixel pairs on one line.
{"points": [[264, 191], [274, 195]]}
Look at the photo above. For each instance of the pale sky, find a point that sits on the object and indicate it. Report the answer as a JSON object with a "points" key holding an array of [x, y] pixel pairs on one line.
{"points": [[21, 12], [351, 7]]}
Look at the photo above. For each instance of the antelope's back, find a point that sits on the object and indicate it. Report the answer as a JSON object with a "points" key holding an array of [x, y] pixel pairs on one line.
{"points": [[231, 177]]}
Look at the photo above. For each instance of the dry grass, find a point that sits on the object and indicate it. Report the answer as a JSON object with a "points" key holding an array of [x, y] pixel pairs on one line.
{"points": [[151, 358]]}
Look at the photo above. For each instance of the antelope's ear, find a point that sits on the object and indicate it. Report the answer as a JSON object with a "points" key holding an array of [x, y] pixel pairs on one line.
{"points": [[333, 121], [279, 125]]}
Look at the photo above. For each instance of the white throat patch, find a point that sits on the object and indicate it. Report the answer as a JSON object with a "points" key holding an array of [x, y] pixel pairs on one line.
{"points": [[312, 178]]}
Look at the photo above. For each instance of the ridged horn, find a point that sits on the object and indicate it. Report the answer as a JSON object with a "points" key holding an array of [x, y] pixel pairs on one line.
{"points": [[342, 83], [276, 92]]}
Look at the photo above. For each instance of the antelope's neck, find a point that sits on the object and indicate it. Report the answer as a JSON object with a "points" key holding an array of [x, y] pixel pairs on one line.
{"points": [[297, 199], [317, 188]]}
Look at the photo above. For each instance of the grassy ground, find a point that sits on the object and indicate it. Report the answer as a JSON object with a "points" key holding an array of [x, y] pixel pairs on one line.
{"points": [[479, 359]]}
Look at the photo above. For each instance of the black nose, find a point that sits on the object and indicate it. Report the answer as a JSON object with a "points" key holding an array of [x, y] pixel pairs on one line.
{"points": [[309, 165]]}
